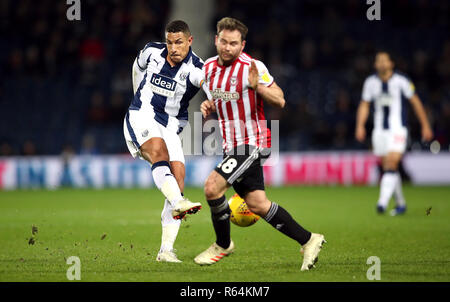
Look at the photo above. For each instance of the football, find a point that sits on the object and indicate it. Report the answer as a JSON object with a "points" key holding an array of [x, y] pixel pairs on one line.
{"points": [[240, 214]]}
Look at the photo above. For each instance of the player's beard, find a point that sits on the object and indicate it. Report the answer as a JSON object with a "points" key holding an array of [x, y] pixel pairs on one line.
{"points": [[226, 61]]}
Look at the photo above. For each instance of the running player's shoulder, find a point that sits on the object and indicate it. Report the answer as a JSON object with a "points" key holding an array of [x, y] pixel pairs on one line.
{"points": [[245, 58], [372, 77], [157, 45], [211, 60], [196, 60], [401, 76]]}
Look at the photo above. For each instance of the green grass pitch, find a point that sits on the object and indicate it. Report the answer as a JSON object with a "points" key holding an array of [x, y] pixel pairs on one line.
{"points": [[413, 247]]}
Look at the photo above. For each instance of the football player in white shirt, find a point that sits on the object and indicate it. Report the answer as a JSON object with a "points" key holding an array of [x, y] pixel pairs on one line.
{"points": [[389, 92], [166, 76]]}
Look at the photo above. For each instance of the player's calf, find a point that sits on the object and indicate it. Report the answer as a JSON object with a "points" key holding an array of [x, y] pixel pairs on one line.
{"points": [[257, 202]]}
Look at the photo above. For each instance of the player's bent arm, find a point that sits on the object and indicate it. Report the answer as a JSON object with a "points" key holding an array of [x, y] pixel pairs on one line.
{"points": [[137, 75], [273, 94], [427, 133], [361, 118]]}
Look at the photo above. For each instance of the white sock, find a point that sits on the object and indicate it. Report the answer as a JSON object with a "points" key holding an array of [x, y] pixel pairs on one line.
{"points": [[398, 193], [170, 227], [387, 187], [166, 182]]}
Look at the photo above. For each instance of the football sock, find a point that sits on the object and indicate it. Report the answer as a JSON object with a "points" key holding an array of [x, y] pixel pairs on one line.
{"points": [[166, 182], [387, 187], [170, 227], [220, 214], [398, 193], [280, 219]]}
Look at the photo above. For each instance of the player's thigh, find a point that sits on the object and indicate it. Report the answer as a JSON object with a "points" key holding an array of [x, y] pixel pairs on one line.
{"points": [[215, 186], [396, 147], [174, 146], [379, 142], [143, 135], [179, 172], [397, 140], [251, 180], [155, 150], [237, 162]]}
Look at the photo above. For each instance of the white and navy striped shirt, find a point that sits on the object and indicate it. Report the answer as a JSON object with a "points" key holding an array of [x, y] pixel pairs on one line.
{"points": [[389, 99], [167, 90]]}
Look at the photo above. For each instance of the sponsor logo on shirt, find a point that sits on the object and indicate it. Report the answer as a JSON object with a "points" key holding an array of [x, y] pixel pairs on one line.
{"points": [[163, 85], [225, 95], [385, 99]]}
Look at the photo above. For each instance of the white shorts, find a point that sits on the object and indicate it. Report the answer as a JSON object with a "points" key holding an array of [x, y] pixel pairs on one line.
{"points": [[140, 126], [385, 141]]}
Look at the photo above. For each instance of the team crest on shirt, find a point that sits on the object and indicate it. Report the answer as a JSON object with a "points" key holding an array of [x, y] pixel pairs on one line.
{"points": [[233, 81], [183, 76]]}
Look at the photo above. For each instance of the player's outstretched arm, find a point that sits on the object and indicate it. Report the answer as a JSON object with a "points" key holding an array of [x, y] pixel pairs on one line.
{"points": [[207, 107], [427, 133], [361, 118]]}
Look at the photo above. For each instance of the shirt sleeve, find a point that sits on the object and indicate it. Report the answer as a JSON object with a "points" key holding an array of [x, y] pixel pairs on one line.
{"points": [[264, 76], [136, 75], [366, 92], [142, 57], [408, 88], [196, 77]]}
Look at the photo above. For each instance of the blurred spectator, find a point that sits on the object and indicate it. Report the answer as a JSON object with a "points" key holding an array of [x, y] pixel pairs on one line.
{"points": [[88, 145], [29, 148], [98, 113], [6, 149]]}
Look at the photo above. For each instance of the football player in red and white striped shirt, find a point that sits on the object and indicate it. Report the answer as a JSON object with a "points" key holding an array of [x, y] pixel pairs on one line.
{"points": [[239, 85]]}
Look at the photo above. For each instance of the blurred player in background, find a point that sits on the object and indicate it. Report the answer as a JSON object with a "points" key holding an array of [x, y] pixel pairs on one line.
{"points": [[239, 85], [166, 76], [389, 91]]}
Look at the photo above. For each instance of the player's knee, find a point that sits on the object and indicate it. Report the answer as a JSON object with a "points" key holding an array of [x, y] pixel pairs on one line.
{"points": [[210, 189], [391, 164], [156, 152]]}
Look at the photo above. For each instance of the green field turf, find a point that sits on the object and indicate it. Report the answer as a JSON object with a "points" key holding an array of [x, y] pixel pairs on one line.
{"points": [[414, 247]]}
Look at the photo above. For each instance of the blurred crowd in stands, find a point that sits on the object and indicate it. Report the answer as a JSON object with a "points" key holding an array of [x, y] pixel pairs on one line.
{"points": [[66, 85]]}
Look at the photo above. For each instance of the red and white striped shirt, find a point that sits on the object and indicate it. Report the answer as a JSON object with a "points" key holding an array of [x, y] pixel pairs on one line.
{"points": [[239, 108]]}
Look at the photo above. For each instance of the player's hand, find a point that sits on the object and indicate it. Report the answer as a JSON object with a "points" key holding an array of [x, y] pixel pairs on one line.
{"points": [[427, 134], [360, 134], [253, 76], [207, 107]]}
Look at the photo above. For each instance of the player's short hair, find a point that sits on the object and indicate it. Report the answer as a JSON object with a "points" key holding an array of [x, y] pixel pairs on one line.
{"points": [[387, 52], [178, 26], [232, 24]]}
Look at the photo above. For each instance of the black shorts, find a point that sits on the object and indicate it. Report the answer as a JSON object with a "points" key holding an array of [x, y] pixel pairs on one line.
{"points": [[241, 168]]}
